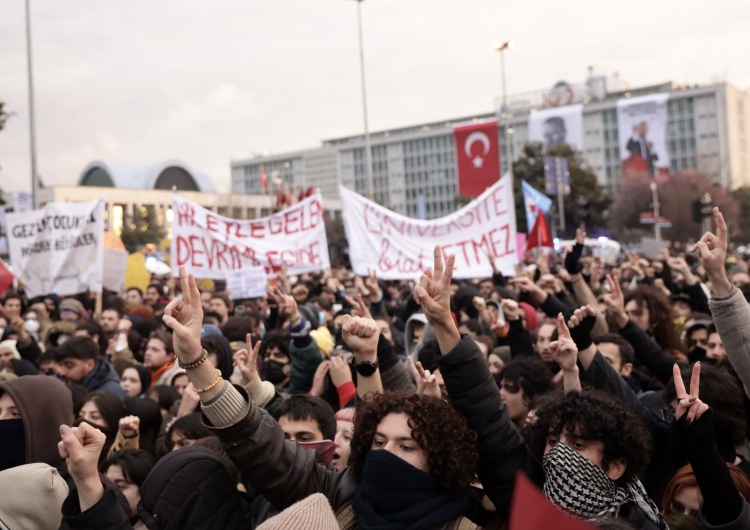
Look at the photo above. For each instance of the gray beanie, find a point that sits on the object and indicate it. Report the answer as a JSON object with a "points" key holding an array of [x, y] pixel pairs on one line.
{"points": [[32, 497]]}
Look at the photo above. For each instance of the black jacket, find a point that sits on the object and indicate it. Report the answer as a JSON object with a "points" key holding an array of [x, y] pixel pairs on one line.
{"points": [[502, 449], [189, 488]]}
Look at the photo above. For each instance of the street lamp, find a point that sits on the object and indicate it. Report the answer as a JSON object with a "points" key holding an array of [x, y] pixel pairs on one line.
{"points": [[501, 46], [32, 128], [655, 204], [368, 153]]}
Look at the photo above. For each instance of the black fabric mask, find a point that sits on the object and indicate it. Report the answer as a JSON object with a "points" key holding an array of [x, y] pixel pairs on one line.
{"points": [[273, 372], [12, 444], [697, 354], [395, 495]]}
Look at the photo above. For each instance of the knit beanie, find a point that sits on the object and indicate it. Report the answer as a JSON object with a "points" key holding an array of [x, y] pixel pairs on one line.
{"points": [[12, 346], [32, 497], [71, 304], [311, 512]]}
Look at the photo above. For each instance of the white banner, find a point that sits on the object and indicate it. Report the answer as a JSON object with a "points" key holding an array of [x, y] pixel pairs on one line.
{"points": [[3, 229], [558, 125], [23, 201], [210, 246], [248, 282], [642, 127], [58, 249], [115, 268], [399, 247]]}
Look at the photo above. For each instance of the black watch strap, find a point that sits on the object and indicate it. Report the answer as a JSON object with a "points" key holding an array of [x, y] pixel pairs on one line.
{"points": [[365, 368]]}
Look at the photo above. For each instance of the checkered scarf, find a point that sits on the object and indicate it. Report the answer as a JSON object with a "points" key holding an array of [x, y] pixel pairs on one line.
{"points": [[576, 484]]}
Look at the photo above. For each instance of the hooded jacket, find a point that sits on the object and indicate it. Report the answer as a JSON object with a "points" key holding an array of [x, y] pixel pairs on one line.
{"points": [[44, 404], [410, 345], [189, 488], [103, 377]]}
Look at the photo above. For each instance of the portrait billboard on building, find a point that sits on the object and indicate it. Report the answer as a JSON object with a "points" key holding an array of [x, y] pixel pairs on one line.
{"points": [[557, 125], [642, 128]]}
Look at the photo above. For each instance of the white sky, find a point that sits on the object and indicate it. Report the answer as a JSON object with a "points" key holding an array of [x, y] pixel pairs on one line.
{"points": [[144, 81]]}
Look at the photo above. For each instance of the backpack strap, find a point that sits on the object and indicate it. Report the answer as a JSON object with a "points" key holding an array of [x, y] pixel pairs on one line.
{"points": [[345, 517]]}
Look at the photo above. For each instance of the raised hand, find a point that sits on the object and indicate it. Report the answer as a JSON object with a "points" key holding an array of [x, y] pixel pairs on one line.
{"points": [[573, 256], [564, 350], [371, 282], [81, 447], [130, 426], [319, 379], [581, 324], [361, 334], [359, 308], [339, 371], [565, 353], [246, 359], [185, 317], [433, 293], [511, 309], [527, 285], [712, 253], [689, 404], [427, 383], [287, 304], [615, 301]]}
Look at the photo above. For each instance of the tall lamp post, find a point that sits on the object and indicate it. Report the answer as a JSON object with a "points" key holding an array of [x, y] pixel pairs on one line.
{"points": [[368, 151], [32, 126], [656, 205], [501, 46]]}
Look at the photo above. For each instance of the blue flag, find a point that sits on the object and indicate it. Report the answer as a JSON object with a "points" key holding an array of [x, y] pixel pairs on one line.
{"points": [[535, 202]]}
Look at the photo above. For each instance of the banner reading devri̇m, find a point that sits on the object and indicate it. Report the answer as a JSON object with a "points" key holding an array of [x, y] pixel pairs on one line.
{"points": [[212, 246], [59, 248], [398, 247]]}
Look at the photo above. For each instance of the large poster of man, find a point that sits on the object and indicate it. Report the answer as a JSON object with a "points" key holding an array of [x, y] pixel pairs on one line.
{"points": [[557, 125], [642, 127]]}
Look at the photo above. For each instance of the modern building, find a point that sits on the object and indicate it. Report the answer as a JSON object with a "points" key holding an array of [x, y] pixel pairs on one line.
{"points": [[707, 130], [127, 189]]}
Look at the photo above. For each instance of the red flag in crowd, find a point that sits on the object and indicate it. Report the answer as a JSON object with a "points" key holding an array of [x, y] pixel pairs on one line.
{"points": [[478, 154], [540, 235], [530, 510], [263, 178], [6, 278]]}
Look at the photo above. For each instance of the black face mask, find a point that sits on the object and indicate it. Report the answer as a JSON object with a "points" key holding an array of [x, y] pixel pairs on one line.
{"points": [[273, 372], [697, 354], [12, 444]]}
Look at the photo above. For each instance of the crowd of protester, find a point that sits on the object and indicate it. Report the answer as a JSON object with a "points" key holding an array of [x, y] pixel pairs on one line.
{"points": [[620, 389]]}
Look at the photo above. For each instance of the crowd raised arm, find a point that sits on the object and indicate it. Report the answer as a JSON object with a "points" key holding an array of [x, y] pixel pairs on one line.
{"points": [[335, 401]]}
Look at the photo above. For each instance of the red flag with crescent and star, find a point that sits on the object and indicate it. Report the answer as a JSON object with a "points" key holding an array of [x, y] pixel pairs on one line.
{"points": [[478, 157]]}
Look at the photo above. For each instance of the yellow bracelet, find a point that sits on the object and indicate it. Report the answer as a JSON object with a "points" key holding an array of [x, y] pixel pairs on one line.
{"points": [[209, 387]]}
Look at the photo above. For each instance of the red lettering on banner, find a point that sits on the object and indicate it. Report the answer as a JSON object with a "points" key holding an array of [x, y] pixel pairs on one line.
{"points": [[211, 224], [291, 217], [401, 263], [309, 254], [316, 214], [256, 230], [275, 226], [185, 214], [237, 230]]}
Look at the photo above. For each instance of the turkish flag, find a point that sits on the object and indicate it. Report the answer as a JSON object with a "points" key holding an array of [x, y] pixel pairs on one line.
{"points": [[6, 278], [540, 235], [478, 157], [530, 510]]}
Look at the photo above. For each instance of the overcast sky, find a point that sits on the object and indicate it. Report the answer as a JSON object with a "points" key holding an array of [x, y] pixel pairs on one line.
{"points": [[144, 81]]}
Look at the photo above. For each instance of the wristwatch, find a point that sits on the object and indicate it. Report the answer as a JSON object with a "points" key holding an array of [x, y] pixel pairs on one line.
{"points": [[365, 368]]}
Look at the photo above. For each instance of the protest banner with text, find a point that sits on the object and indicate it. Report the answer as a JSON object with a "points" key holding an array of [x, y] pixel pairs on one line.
{"points": [[58, 249], [399, 247], [211, 246]]}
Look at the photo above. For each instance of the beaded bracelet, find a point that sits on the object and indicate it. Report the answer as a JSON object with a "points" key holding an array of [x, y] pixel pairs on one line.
{"points": [[209, 387], [195, 364]]}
